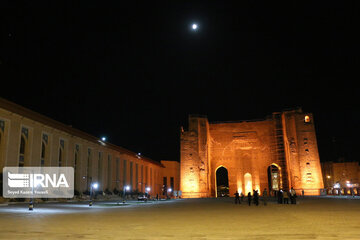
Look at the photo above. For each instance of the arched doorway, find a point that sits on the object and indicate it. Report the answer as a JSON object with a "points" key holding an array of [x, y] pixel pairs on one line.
{"points": [[222, 182], [273, 177], [248, 183]]}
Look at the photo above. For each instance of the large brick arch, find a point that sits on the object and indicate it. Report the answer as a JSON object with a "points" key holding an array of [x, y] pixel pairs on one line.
{"points": [[215, 183]]}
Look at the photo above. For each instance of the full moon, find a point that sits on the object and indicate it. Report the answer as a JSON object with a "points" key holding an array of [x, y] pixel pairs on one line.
{"points": [[194, 26]]}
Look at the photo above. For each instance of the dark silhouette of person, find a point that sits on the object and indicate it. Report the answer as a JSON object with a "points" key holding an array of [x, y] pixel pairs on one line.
{"points": [[237, 198], [256, 197], [280, 197], [249, 198], [265, 197], [292, 196], [286, 197], [242, 197]]}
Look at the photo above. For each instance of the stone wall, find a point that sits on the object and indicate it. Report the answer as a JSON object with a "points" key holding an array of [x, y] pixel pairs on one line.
{"points": [[96, 161], [247, 149]]}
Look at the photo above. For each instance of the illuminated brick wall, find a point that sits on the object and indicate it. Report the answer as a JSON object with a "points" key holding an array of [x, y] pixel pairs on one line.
{"points": [[247, 149], [302, 152]]}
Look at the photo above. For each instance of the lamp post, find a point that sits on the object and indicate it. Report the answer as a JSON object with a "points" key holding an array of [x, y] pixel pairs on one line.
{"points": [[169, 191], [147, 191], [126, 188], [92, 187], [31, 203]]}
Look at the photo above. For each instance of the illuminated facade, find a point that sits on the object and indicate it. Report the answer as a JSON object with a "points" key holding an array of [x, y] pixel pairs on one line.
{"points": [[276, 153], [341, 177], [28, 138]]}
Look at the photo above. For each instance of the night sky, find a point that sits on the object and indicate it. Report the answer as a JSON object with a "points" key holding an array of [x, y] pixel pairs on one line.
{"points": [[133, 70]]}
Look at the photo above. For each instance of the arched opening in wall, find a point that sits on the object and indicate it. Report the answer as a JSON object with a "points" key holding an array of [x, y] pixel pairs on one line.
{"points": [[43, 150], [273, 177], [1, 175], [60, 156], [0, 146], [248, 183], [222, 182], [22, 151]]}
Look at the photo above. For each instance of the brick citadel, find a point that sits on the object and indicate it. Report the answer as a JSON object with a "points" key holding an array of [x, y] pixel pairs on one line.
{"points": [[276, 153]]}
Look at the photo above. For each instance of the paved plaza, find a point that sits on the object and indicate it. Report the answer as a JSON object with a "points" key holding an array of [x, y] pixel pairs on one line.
{"points": [[312, 218]]}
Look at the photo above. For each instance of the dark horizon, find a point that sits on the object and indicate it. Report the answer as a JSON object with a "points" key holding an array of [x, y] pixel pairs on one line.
{"points": [[134, 72]]}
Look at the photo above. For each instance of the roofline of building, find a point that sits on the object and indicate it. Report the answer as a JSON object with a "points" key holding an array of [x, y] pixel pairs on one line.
{"points": [[267, 118], [22, 111]]}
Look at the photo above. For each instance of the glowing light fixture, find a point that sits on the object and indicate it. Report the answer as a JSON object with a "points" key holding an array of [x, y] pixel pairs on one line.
{"points": [[194, 26], [95, 185], [103, 139]]}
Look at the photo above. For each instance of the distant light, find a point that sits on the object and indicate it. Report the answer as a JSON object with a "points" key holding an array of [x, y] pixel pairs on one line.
{"points": [[95, 185], [148, 189], [328, 176], [127, 188], [103, 139], [194, 26], [337, 185], [139, 154], [169, 190]]}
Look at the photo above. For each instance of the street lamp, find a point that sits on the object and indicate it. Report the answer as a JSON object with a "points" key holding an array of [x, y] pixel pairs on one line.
{"points": [[169, 191], [92, 187], [126, 188]]}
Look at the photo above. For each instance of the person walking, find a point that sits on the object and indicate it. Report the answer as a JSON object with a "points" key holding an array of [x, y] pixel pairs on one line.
{"points": [[249, 198], [292, 196], [256, 197], [286, 197], [237, 198], [280, 196], [242, 197], [265, 197], [302, 192]]}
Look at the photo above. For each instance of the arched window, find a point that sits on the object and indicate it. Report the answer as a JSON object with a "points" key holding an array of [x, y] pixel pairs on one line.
{"points": [[60, 156], [22, 151], [307, 119], [248, 183], [0, 145], [43, 149], [75, 159], [61, 152]]}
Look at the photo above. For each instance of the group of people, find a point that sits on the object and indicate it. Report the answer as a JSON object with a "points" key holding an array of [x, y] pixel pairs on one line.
{"points": [[255, 198], [282, 196]]}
